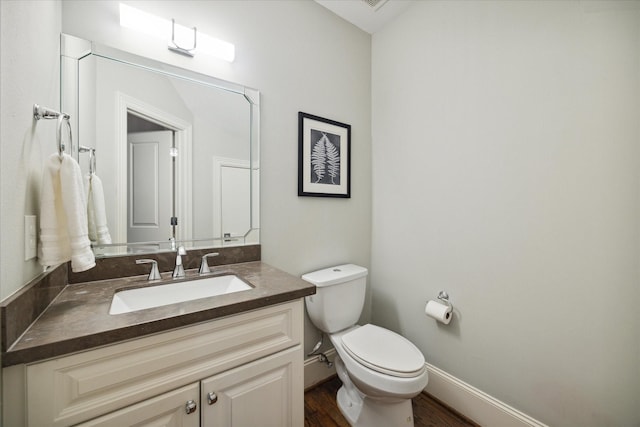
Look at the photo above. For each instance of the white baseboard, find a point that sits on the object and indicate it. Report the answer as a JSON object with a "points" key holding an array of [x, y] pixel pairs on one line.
{"points": [[316, 372], [473, 403]]}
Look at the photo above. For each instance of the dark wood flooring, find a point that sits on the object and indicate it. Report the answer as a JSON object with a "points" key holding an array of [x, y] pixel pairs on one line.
{"points": [[321, 409]]}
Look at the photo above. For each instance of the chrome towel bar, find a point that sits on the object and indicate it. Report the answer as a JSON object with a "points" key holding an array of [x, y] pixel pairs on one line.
{"points": [[92, 157], [40, 113]]}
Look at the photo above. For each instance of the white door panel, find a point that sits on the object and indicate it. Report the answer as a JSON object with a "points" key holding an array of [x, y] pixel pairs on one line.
{"points": [[150, 186]]}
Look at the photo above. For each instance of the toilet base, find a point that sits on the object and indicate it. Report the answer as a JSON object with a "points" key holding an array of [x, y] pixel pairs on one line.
{"points": [[365, 412]]}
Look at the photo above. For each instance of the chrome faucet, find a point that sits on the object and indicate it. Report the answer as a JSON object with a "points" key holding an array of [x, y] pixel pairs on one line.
{"points": [[179, 270]]}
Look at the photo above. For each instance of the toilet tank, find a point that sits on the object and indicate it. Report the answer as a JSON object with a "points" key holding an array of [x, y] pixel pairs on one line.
{"points": [[339, 297]]}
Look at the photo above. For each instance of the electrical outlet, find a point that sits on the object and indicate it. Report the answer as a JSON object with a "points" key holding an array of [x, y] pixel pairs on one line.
{"points": [[30, 237]]}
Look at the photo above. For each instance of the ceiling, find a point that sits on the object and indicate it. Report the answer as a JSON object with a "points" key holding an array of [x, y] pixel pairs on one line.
{"points": [[368, 15]]}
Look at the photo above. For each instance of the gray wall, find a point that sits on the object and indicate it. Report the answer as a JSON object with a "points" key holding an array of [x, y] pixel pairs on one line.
{"points": [[506, 159]]}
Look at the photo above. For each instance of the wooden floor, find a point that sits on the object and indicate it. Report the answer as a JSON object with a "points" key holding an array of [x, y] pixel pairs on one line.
{"points": [[321, 409]]}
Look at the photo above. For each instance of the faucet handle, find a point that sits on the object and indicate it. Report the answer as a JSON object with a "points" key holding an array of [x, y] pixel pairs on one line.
{"points": [[204, 266], [154, 274]]}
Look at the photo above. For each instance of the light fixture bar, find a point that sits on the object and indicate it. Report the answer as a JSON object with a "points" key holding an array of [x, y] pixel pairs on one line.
{"points": [[173, 46], [181, 36]]}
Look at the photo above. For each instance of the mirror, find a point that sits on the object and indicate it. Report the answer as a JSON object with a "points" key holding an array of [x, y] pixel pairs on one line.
{"points": [[176, 152]]}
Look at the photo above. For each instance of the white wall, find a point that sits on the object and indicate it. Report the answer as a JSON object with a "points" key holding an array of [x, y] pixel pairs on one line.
{"points": [[29, 74], [302, 58], [506, 171]]}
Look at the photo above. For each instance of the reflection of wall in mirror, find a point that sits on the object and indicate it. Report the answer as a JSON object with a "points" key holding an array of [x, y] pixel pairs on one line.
{"points": [[204, 157], [221, 128], [231, 182]]}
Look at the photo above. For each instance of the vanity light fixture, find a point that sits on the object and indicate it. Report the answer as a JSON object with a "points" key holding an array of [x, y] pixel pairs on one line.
{"points": [[183, 40]]}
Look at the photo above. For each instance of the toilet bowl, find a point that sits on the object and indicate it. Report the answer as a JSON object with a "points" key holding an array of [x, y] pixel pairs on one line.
{"points": [[380, 370], [381, 363]]}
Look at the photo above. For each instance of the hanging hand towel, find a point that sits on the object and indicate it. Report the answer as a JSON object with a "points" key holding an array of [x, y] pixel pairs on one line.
{"points": [[63, 216], [96, 212]]}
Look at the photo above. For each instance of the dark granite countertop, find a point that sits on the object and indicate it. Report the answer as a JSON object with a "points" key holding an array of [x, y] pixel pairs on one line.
{"points": [[78, 319]]}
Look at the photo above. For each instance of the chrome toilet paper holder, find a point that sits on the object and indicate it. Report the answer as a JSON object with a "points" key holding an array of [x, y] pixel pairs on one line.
{"points": [[444, 297]]}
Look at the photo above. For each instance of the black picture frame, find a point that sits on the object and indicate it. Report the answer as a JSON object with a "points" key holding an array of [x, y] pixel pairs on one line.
{"points": [[324, 157]]}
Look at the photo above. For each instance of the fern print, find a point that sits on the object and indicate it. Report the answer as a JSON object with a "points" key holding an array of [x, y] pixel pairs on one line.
{"points": [[325, 158], [333, 162], [318, 159]]}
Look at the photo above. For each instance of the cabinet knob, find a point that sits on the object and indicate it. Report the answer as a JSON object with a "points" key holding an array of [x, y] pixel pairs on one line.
{"points": [[211, 398], [191, 407]]}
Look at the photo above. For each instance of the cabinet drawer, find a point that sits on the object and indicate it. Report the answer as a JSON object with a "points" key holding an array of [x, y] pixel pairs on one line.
{"points": [[83, 386], [168, 409]]}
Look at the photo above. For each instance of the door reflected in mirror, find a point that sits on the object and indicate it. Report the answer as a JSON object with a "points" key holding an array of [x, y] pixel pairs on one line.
{"points": [[177, 151], [151, 213]]}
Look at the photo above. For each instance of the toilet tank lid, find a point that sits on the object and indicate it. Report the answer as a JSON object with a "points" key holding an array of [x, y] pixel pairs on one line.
{"points": [[334, 275]]}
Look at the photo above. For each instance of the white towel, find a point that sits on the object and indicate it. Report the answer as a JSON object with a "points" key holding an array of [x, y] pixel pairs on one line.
{"points": [[63, 216], [96, 212]]}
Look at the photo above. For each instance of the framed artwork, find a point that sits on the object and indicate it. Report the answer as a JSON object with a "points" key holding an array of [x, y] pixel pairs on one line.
{"points": [[324, 157]]}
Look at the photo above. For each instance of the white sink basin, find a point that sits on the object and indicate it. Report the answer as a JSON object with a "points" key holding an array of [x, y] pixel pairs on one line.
{"points": [[172, 293]]}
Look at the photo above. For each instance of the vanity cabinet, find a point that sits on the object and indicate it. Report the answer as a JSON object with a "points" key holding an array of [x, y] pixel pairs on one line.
{"points": [[241, 370]]}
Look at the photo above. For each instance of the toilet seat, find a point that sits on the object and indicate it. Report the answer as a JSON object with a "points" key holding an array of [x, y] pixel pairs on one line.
{"points": [[384, 351]]}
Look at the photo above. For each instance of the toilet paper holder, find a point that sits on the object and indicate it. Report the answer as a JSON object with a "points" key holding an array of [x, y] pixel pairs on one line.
{"points": [[444, 297]]}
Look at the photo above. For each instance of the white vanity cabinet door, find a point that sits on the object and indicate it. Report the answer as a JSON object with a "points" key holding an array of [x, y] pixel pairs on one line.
{"points": [[178, 408], [264, 393]]}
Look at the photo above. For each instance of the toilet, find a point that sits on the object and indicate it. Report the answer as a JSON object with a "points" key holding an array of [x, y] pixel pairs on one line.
{"points": [[380, 370]]}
